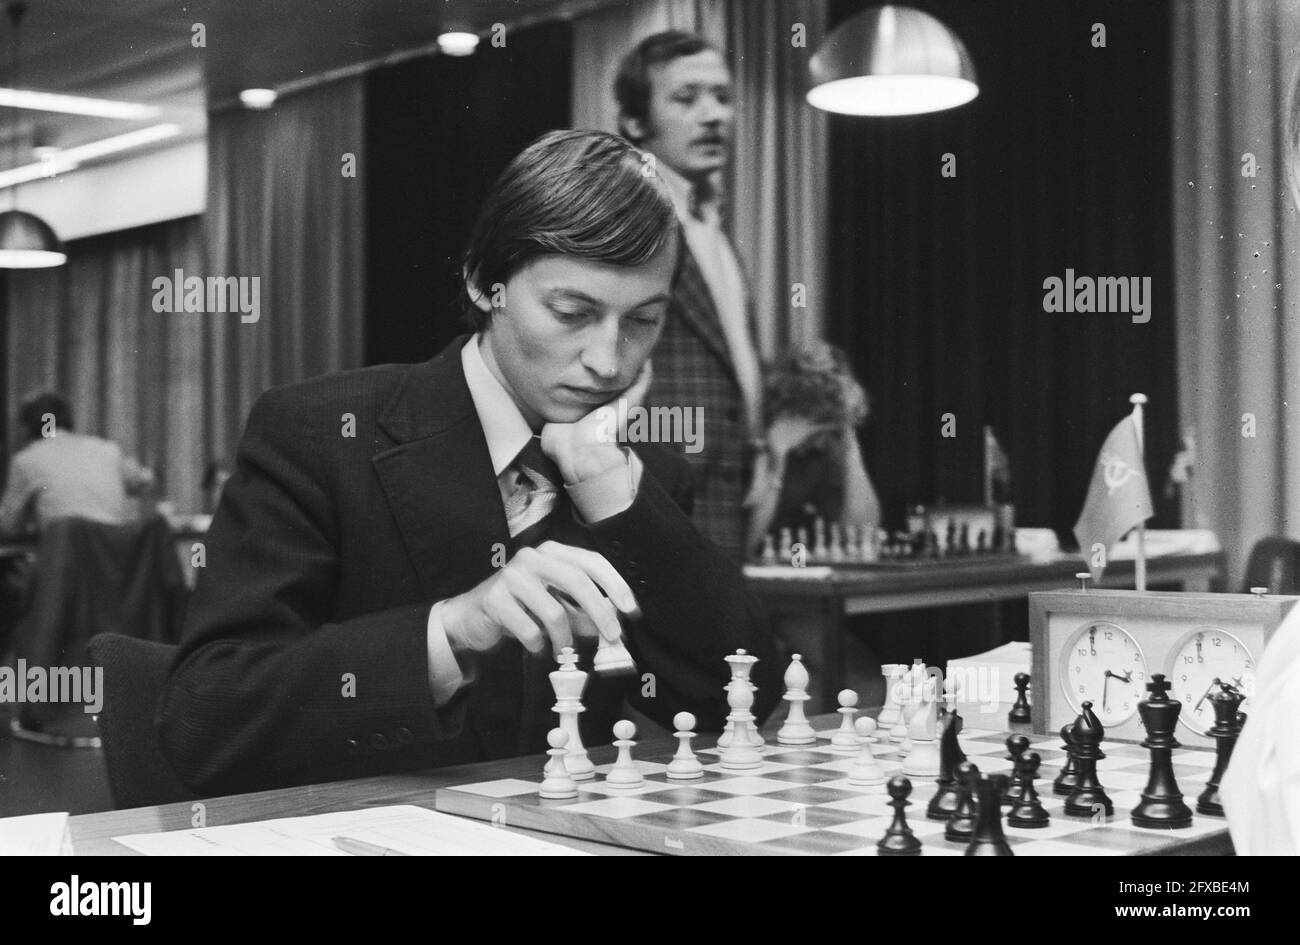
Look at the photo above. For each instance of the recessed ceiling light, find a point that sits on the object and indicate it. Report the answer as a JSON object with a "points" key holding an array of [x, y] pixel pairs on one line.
{"points": [[257, 98], [458, 44], [75, 105]]}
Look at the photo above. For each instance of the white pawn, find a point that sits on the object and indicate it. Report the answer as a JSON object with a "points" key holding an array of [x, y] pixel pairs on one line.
{"points": [[845, 739], [684, 766], [819, 539], [625, 773], [557, 783], [851, 550], [768, 553], [837, 543], [865, 770], [796, 730]]}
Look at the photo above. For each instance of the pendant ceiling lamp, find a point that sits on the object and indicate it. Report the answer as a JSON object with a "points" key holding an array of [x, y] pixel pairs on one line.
{"points": [[891, 60], [26, 241]]}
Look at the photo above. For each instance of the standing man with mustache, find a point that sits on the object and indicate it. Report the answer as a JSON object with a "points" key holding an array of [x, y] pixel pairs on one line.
{"points": [[674, 94]]}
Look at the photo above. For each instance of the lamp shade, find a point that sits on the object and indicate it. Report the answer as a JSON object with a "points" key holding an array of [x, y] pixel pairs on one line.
{"points": [[891, 60], [27, 242]]}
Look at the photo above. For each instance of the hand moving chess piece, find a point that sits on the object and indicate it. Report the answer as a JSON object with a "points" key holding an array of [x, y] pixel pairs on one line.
{"points": [[961, 825], [1019, 713], [865, 770], [989, 839], [1028, 811], [899, 839], [569, 682], [1088, 797], [796, 730], [557, 783], [845, 738], [684, 766], [625, 773], [1226, 730], [1162, 803]]}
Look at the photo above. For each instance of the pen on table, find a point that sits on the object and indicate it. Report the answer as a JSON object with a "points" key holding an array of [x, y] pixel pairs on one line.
{"points": [[361, 848]]}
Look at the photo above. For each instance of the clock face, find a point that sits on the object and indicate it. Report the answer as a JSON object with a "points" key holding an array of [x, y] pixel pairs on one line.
{"points": [[1203, 656], [1104, 665]]}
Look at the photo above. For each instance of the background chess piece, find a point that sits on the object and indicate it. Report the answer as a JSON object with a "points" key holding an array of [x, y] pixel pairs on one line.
{"points": [[1019, 714], [1162, 805], [1225, 731]]}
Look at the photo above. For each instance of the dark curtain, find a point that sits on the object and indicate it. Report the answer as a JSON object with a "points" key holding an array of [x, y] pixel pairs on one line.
{"points": [[438, 132], [1063, 161], [88, 330]]}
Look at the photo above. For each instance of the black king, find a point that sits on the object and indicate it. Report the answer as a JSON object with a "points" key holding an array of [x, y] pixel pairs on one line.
{"points": [[1162, 803]]}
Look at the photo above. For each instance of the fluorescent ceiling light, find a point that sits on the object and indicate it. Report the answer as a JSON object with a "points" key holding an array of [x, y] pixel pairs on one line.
{"points": [[75, 105], [458, 44], [69, 158], [258, 98]]}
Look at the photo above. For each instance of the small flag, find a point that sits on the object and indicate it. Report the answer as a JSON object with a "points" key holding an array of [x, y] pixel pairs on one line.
{"points": [[1119, 497]]}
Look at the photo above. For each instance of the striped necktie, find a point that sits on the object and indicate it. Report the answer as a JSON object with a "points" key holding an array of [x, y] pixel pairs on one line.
{"points": [[536, 491]]}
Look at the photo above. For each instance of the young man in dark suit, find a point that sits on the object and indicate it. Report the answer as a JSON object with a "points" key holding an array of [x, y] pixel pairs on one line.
{"points": [[674, 94], [402, 548]]}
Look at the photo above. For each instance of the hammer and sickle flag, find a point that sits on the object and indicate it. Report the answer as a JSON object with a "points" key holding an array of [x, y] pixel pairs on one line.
{"points": [[1119, 497]]}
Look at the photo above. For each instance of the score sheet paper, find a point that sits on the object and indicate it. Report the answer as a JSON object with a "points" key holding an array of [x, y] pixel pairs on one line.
{"points": [[408, 829]]}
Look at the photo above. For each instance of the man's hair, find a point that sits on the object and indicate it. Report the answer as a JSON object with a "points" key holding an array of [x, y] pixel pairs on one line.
{"points": [[574, 193], [632, 84], [31, 415]]}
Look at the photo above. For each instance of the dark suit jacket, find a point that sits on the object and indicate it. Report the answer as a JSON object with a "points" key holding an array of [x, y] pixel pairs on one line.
{"points": [[304, 653], [693, 368]]}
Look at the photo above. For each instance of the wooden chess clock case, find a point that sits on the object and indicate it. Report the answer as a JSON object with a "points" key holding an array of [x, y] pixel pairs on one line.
{"points": [[1103, 646]]}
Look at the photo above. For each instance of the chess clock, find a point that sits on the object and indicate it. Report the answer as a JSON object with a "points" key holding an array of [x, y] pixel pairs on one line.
{"points": [[1102, 646]]}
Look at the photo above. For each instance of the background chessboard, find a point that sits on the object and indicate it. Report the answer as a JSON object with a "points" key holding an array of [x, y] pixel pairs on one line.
{"points": [[800, 802]]}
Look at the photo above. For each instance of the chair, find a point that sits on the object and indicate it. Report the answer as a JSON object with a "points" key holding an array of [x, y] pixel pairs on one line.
{"points": [[93, 578], [1274, 563], [134, 672]]}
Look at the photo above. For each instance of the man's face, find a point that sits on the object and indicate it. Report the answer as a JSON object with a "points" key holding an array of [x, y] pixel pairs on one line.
{"points": [[574, 333], [689, 122]]}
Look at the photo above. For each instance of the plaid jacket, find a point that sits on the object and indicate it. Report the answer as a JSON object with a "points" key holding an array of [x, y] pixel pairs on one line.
{"points": [[693, 368]]}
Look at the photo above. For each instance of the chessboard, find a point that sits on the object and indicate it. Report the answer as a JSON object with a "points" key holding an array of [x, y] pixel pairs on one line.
{"points": [[800, 802]]}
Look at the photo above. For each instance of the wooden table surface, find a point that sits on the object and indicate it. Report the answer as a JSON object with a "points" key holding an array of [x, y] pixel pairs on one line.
{"points": [[92, 834]]}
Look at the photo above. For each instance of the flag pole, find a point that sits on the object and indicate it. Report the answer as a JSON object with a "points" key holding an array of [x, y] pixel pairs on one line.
{"points": [[1140, 565]]}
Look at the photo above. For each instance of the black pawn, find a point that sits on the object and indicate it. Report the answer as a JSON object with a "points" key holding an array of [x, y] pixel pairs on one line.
{"points": [[989, 840], [1019, 713], [1017, 745], [961, 826], [1225, 731], [1088, 796], [1068, 777], [944, 803], [1162, 803], [899, 839], [1029, 810]]}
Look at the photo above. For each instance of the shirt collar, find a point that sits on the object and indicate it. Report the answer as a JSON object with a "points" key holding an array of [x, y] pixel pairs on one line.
{"points": [[504, 427], [681, 190]]}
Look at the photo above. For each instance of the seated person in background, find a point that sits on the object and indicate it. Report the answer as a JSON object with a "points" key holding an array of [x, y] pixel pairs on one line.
{"points": [[402, 549], [62, 474], [813, 465]]}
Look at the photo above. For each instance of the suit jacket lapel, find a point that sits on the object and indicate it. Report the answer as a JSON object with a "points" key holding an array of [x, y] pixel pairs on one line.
{"points": [[438, 477], [698, 310]]}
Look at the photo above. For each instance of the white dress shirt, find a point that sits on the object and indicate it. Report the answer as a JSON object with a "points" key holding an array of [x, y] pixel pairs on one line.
{"points": [[507, 433], [723, 275]]}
